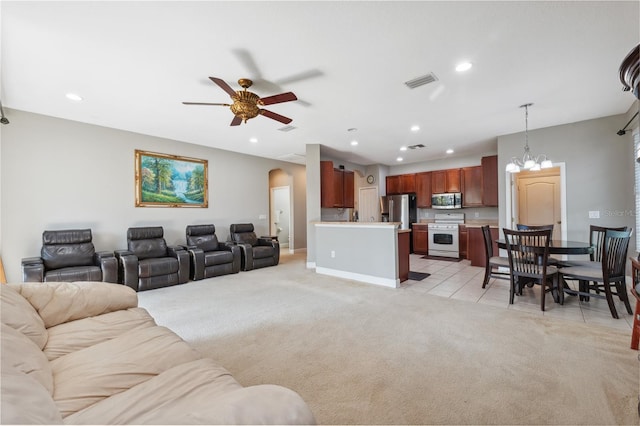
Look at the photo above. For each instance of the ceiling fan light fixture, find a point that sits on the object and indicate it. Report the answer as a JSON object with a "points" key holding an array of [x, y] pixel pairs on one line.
{"points": [[528, 161], [464, 66]]}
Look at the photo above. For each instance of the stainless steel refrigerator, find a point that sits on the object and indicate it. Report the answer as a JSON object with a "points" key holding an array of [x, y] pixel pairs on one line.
{"points": [[402, 208]]}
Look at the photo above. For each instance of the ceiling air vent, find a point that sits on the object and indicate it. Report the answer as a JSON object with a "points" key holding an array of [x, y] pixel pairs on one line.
{"points": [[287, 128], [421, 81], [417, 146], [294, 158]]}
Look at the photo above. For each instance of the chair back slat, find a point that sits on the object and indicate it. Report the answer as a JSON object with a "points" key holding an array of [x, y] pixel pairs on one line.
{"points": [[614, 254], [528, 250], [488, 244]]}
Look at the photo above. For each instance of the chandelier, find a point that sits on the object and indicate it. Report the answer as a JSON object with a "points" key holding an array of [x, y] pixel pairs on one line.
{"points": [[528, 161]]}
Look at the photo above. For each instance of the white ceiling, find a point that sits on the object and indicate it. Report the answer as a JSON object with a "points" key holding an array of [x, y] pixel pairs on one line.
{"points": [[347, 61]]}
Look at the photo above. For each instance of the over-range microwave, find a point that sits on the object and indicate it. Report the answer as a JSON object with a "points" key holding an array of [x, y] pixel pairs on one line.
{"points": [[450, 200]]}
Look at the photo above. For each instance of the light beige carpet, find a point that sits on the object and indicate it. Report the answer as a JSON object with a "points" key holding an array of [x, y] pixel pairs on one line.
{"points": [[363, 354]]}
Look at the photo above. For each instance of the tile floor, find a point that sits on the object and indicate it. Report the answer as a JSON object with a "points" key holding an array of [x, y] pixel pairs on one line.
{"points": [[460, 280]]}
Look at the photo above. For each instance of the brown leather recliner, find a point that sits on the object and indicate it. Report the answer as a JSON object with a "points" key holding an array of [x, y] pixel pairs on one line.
{"points": [[256, 252], [209, 257], [69, 255], [149, 263]]}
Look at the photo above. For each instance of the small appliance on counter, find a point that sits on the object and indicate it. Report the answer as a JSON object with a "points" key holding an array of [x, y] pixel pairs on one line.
{"points": [[449, 200]]}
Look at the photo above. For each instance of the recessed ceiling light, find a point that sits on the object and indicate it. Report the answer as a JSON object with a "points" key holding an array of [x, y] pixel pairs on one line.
{"points": [[464, 66], [354, 143], [73, 97], [449, 151], [403, 148], [253, 140], [415, 128], [399, 159]]}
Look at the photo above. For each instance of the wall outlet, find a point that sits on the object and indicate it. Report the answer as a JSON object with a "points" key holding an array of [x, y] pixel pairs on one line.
{"points": [[333, 254], [477, 214], [594, 214]]}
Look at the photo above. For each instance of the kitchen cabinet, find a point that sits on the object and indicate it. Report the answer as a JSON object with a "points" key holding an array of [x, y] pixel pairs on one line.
{"points": [[472, 186], [423, 189], [420, 238], [401, 184], [393, 185], [462, 242], [445, 181], [475, 247], [490, 181], [336, 186]]}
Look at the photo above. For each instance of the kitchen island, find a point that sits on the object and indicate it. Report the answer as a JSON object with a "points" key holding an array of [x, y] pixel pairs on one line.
{"points": [[371, 252]]}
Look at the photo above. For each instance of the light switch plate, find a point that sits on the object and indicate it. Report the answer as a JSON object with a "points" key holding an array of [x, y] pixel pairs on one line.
{"points": [[594, 214]]}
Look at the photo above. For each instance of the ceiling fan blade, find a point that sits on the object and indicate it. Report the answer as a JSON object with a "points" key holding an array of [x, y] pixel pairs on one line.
{"points": [[236, 121], [247, 60], [274, 116], [203, 103], [223, 85], [276, 99]]}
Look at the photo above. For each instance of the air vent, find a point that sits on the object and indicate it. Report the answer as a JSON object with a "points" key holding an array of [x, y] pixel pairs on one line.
{"points": [[287, 128], [417, 146], [421, 81]]}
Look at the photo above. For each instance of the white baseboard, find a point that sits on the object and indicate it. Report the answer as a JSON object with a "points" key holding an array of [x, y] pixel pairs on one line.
{"points": [[369, 279]]}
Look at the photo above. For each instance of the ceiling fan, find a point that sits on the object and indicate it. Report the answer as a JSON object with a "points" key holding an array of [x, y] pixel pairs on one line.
{"points": [[246, 105]]}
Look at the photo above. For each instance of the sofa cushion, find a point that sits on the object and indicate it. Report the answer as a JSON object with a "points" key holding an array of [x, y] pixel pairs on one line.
{"points": [[19, 314], [19, 352], [79, 334], [57, 303], [157, 267], [25, 401], [219, 257], [260, 252], [116, 365]]}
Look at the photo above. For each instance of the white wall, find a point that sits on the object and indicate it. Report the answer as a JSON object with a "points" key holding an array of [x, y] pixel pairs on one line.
{"points": [[60, 174], [599, 169]]}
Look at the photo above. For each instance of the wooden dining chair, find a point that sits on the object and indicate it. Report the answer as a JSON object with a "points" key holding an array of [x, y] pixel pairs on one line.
{"points": [[609, 279], [492, 262], [523, 227], [522, 246], [596, 239], [635, 290]]}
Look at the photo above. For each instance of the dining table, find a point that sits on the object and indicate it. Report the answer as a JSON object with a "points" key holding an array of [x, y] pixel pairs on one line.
{"points": [[562, 247]]}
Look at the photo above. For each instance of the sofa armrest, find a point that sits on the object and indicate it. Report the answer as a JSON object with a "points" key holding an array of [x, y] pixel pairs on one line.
{"points": [[60, 302], [108, 264], [32, 269], [183, 262], [127, 268], [196, 270], [246, 251]]}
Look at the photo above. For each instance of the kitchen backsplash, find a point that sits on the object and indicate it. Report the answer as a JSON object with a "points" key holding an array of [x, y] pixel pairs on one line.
{"points": [[470, 213]]}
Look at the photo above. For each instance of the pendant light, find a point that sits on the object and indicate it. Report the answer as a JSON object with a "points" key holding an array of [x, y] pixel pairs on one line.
{"points": [[528, 161]]}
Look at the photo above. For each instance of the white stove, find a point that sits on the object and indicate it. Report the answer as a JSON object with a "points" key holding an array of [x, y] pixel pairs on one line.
{"points": [[444, 234]]}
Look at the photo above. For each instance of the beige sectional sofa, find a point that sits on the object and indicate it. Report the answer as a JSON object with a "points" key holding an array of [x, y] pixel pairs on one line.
{"points": [[85, 353]]}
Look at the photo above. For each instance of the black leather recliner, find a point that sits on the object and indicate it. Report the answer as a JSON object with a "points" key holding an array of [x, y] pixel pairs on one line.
{"points": [[149, 263], [69, 255], [256, 252], [209, 257]]}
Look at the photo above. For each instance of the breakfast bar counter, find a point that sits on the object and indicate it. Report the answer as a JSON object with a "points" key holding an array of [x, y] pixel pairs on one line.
{"points": [[371, 252]]}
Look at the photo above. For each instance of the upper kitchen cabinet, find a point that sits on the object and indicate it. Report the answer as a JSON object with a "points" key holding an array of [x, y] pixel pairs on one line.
{"points": [[490, 181], [472, 186], [336, 186], [423, 189], [446, 181], [401, 184]]}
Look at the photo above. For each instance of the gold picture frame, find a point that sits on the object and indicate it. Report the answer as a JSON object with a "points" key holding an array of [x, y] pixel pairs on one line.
{"points": [[164, 180]]}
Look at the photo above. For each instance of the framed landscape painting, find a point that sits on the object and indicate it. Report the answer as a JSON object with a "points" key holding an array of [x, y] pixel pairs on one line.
{"points": [[164, 180]]}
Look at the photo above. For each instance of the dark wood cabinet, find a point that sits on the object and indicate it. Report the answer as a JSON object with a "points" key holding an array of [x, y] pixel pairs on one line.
{"points": [[336, 186], [423, 189], [462, 242], [420, 239], [472, 186], [403, 255], [490, 181], [401, 184], [393, 185], [445, 181], [475, 248]]}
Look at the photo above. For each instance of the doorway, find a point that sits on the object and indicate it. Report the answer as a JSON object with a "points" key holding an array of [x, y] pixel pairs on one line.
{"points": [[280, 225], [538, 198]]}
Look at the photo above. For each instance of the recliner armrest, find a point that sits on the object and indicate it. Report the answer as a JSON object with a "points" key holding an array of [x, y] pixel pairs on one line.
{"points": [[32, 269], [228, 246], [108, 265], [183, 262], [127, 268]]}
